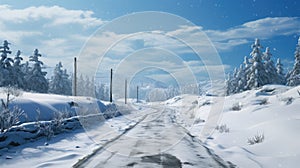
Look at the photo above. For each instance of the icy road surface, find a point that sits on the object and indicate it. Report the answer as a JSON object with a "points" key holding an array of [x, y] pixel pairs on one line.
{"points": [[155, 140]]}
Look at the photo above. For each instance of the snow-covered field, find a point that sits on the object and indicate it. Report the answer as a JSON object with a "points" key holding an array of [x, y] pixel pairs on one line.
{"points": [[272, 111], [63, 150], [49, 104], [32, 148]]}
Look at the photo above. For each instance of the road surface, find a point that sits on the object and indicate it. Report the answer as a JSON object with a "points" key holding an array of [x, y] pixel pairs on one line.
{"points": [[155, 140]]}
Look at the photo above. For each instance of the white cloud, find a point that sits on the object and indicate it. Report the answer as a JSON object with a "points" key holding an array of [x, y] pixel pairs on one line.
{"points": [[16, 36], [262, 28], [242, 34], [227, 45], [57, 32], [56, 15], [185, 29]]}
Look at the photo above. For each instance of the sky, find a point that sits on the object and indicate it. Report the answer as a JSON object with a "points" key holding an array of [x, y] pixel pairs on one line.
{"points": [[63, 29]]}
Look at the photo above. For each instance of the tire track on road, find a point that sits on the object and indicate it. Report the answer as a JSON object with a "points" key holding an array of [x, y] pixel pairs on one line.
{"points": [[86, 159]]}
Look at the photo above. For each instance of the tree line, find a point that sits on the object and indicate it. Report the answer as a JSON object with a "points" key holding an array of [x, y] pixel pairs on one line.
{"points": [[29, 76], [254, 72], [259, 70]]}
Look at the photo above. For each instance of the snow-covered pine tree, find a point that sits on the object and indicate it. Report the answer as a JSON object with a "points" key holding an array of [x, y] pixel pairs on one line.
{"points": [[272, 77], [5, 64], [92, 88], [232, 83], [246, 70], [241, 79], [4, 50], [55, 84], [17, 73], [80, 86], [8, 62], [280, 73], [293, 79], [99, 92], [238, 81], [60, 82], [86, 86], [89, 89], [257, 75], [67, 82], [228, 87], [173, 91], [35, 79], [102, 92], [18, 58], [26, 69]]}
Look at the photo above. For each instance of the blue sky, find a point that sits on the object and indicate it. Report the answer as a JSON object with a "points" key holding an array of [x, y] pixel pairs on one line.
{"points": [[61, 28]]}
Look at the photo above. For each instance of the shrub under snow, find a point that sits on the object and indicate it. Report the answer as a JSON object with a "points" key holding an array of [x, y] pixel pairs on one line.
{"points": [[258, 138]]}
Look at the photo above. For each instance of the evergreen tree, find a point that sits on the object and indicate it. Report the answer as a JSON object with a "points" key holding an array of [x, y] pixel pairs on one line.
{"points": [[92, 88], [67, 82], [241, 79], [272, 77], [26, 68], [60, 82], [17, 73], [18, 58], [257, 75], [246, 70], [232, 82], [173, 91], [88, 87], [8, 62], [102, 92], [279, 71], [293, 79], [4, 51], [229, 87], [35, 79], [5, 64], [80, 86]]}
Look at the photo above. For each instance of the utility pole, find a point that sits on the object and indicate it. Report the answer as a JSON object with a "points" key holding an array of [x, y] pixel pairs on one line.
{"points": [[137, 94], [75, 77], [125, 91], [111, 76]]}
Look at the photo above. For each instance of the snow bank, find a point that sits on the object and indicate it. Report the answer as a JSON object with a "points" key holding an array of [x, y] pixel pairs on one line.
{"points": [[29, 132], [41, 118], [43, 107], [272, 110]]}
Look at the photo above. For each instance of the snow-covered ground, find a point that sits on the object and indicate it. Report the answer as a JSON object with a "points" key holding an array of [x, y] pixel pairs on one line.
{"points": [[49, 104], [272, 111], [63, 150], [33, 149]]}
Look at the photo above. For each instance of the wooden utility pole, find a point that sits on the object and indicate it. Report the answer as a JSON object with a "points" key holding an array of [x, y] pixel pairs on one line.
{"points": [[75, 77], [137, 94], [111, 76], [125, 91]]}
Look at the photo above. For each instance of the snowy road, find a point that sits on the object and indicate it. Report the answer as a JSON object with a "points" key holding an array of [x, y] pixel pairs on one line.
{"points": [[156, 140]]}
